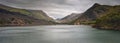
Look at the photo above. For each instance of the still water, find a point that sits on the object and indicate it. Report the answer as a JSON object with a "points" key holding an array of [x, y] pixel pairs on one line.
{"points": [[58, 34]]}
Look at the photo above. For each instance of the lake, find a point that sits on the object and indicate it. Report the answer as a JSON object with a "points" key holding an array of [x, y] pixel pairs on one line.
{"points": [[58, 34]]}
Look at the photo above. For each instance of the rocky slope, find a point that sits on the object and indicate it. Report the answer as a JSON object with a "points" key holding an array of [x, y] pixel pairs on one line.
{"points": [[92, 14], [10, 16]]}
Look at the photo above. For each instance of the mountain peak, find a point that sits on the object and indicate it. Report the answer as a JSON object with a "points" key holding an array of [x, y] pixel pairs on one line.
{"points": [[96, 4]]}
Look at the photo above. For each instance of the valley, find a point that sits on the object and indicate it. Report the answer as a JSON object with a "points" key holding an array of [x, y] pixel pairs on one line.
{"points": [[98, 16]]}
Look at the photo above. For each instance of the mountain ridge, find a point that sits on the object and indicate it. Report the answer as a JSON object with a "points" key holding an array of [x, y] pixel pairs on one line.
{"points": [[93, 13]]}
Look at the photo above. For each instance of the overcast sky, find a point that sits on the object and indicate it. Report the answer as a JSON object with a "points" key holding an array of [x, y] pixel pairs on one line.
{"points": [[58, 8]]}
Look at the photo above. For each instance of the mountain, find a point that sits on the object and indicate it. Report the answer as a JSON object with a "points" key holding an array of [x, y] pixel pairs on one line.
{"points": [[39, 14], [92, 14], [16, 16], [101, 17], [69, 18], [110, 20]]}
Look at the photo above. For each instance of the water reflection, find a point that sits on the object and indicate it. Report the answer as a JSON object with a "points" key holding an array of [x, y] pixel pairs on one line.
{"points": [[57, 34]]}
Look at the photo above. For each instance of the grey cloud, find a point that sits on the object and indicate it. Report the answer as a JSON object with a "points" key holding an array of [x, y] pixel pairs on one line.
{"points": [[58, 8]]}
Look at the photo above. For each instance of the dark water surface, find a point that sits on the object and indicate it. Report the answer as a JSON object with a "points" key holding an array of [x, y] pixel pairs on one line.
{"points": [[57, 34]]}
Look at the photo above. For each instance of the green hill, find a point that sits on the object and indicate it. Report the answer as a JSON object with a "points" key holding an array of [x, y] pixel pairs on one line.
{"points": [[38, 14], [110, 20], [10, 16]]}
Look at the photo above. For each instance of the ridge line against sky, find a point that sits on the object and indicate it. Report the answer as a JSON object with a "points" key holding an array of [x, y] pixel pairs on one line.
{"points": [[58, 8]]}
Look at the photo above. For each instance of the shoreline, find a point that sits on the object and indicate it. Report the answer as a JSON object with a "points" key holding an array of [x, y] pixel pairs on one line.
{"points": [[106, 28]]}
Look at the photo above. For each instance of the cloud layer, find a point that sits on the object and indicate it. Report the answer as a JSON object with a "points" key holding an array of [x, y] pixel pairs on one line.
{"points": [[58, 8]]}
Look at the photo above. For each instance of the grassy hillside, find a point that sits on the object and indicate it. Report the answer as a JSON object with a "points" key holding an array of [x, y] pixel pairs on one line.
{"points": [[10, 16], [110, 20], [38, 14]]}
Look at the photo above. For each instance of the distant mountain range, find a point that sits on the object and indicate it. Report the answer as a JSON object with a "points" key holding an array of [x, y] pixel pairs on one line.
{"points": [[69, 18], [10, 16]]}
